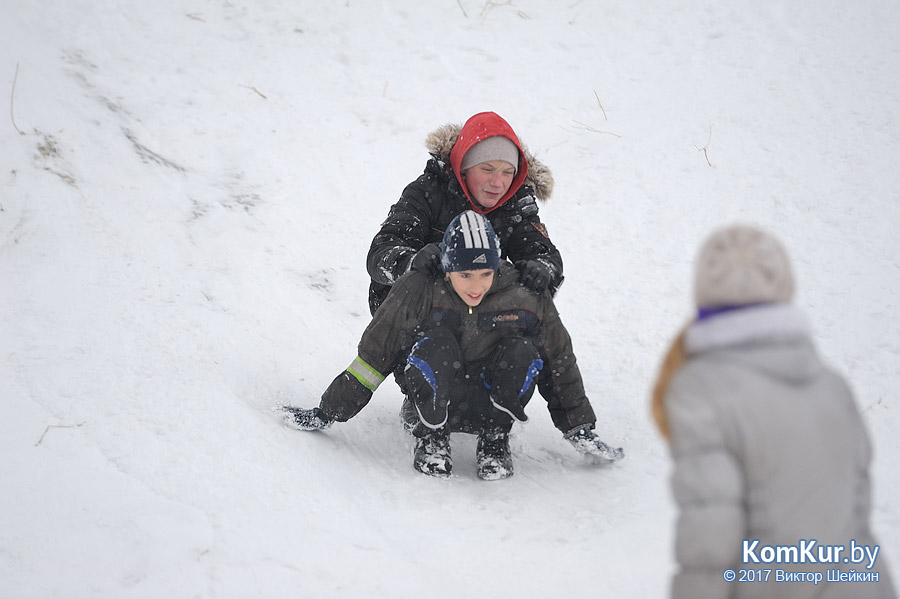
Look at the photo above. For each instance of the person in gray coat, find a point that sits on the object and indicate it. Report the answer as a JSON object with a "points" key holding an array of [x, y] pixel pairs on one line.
{"points": [[771, 456]]}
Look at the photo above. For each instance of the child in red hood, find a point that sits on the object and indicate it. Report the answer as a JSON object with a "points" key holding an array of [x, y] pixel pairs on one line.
{"points": [[480, 166]]}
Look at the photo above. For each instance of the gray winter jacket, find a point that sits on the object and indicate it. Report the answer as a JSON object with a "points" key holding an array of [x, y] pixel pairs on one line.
{"points": [[768, 445]]}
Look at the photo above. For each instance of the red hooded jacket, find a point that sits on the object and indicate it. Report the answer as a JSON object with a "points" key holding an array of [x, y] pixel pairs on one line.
{"points": [[477, 128]]}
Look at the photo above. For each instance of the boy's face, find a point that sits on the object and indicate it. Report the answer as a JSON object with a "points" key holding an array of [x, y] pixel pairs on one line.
{"points": [[471, 285], [489, 181]]}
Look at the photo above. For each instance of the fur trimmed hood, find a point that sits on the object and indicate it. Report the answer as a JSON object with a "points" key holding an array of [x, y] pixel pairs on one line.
{"points": [[440, 142]]}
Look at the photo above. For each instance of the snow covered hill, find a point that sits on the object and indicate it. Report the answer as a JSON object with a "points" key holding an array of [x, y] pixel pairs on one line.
{"points": [[187, 195]]}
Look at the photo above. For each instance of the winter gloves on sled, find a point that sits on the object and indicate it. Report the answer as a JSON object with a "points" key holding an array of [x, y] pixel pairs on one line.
{"points": [[534, 274], [303, 419], [428, 260], [585, 441], [583, 438]]}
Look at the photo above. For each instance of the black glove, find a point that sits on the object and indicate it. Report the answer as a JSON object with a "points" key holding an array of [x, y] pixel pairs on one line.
{"points": [[302, 419], [428, 260], [534, 275], [585, 440]]}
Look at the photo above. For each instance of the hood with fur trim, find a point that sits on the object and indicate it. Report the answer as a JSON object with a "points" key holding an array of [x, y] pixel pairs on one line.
{"points": [[441, 141]]}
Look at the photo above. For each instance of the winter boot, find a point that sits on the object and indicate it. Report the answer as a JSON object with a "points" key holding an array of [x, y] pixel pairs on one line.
{"points": [[432, 455], [492, 456], [305, 420]]}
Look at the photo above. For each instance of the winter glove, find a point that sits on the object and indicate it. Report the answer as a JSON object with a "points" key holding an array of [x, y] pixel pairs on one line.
{"points": [[305, 420], [534, 275], [428, 260], [585, 441]]}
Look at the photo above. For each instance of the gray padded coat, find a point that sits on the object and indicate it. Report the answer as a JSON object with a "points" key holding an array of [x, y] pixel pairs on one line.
{"points": [[768, 444]]}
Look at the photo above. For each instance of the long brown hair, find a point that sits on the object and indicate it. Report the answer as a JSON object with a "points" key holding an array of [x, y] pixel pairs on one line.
{"points": [[672, 361]]}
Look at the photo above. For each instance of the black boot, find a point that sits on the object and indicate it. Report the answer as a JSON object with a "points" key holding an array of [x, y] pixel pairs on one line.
{"points": [[494, 461], [432, 454]]}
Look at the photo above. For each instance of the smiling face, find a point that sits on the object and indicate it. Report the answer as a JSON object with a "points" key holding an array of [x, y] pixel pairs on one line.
{"points": [[488, 182], [471, 285]]}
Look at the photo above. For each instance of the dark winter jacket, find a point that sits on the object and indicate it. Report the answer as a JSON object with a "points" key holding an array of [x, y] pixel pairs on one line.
{"points": [[418, 303], [429, 203]]}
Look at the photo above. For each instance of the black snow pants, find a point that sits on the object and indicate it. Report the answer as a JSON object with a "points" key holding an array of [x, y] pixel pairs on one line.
{"points": [[446, 394]]}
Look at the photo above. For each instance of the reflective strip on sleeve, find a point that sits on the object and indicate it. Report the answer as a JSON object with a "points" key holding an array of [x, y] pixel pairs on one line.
{"points": [[365, 374]]}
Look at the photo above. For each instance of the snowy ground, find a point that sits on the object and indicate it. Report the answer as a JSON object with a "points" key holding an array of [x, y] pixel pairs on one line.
{"points": [[187, 194]]}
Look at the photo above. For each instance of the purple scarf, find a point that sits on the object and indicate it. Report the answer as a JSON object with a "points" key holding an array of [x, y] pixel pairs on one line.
{"points": [[706, 313]]}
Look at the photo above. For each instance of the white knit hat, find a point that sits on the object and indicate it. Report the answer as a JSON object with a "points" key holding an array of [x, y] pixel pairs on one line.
{"points": [[741, 265], [492, 148]]}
